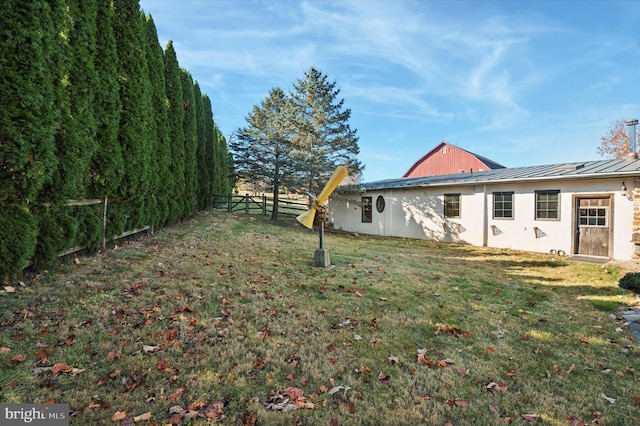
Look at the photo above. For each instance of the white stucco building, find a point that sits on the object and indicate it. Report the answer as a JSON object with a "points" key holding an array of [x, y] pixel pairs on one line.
{"points": [[588, 208]]}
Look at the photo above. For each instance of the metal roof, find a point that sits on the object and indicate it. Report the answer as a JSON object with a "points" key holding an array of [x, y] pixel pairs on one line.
{"points": [[567, 171]]}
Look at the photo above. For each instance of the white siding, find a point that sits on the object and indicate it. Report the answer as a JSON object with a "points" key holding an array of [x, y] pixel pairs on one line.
{"points": [[419, 213]]}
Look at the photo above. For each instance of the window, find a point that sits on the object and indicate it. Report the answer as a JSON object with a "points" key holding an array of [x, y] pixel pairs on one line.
{"points": [[367, 205], [547, 205], [593, 217], [503, 205], [451, 205], [380, 203]]}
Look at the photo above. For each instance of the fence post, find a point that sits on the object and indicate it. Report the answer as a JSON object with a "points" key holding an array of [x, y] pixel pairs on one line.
{"points": [[246, 204], [229, 203], [264, 204], [104, 224]]}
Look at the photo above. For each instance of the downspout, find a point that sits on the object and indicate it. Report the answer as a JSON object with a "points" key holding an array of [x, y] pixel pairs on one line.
{"points": [[485, 218]]}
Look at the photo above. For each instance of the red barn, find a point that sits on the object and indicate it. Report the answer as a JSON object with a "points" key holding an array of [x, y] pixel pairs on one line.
{"points": [[446, 159]]}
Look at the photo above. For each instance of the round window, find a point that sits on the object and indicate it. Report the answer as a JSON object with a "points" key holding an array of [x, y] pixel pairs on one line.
{"points": [[380, 203]]}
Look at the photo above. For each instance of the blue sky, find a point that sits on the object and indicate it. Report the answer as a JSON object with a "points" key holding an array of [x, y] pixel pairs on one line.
{"points": [[520, 82]]}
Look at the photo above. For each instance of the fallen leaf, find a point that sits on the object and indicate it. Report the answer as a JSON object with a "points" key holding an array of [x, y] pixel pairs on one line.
{"points": [[5, 350], [575, 421], [463, 372], [142, 417], [118, 416], [213, 411], [507, 420], [149, 349], [610, 400], [336, 389], [60, 366], [383, 378], [491, 349], [449, 423], [393, 359], [17, 359], [457, 403], [498, 387], [529, 417], [425, 361], [9, 289]]}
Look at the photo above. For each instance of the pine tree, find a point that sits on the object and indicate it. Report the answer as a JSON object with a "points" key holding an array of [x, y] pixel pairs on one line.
{"points": [[262, 149], [323, 137], [190, 130], [175, 114]]}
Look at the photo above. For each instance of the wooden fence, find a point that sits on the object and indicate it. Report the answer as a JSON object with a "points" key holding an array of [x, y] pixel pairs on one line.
{"points": [[259, 204], [233, 203]]}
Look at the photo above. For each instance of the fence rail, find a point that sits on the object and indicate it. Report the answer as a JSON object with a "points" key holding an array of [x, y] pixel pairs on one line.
{"points": [[260, 204], [234, 203]]}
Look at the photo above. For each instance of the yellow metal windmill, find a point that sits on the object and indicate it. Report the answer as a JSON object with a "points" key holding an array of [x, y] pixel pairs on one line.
{"points": [[321, 256]]}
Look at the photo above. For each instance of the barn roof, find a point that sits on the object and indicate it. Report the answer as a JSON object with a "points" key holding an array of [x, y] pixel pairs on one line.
{"points": [[486, 161], [566, 171]]}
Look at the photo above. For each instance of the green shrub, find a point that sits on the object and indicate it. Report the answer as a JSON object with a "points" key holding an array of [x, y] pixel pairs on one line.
{"points": [[631, 282], [58, 231], [20, 231]]}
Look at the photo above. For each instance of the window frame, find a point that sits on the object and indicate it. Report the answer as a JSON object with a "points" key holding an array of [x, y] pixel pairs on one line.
{"points": [[450, 211], [547, 210], [502, 209], [367, 209]]}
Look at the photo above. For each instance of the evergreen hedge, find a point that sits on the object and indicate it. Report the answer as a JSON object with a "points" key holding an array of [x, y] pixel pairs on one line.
{"points": [[93, 108]]}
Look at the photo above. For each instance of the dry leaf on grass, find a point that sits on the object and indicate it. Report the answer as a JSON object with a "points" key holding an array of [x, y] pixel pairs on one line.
{"points": [[142, 417], [118, 416], [610, 400]]}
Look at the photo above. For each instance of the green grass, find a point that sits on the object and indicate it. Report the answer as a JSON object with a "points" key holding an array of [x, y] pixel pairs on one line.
{"points": [[224, 313]]}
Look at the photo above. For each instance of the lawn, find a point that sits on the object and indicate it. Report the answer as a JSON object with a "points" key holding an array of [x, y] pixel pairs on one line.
{"points": [[223, 319]]}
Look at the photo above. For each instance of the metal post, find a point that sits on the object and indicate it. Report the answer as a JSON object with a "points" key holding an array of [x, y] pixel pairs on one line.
{"points": [[632, 135]]}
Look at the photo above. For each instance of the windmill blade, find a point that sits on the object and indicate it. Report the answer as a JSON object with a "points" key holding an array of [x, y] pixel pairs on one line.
{"points": [[332, 184], [307, 217]]}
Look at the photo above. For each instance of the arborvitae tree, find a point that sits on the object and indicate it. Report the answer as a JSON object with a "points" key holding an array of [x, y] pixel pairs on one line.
{"points": [[135, 94], [29, 116], [204, 172], [323, 136], [107, 166], [211, 139], [161, 151], [29, 47], [262, 149], [20, 229], [53, 236], [175, 114], [190, 141], [75, 141], [224, 162]]}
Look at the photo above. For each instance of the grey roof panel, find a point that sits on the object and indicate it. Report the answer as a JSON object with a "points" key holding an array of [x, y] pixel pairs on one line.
{"points": [[575, 170]]}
